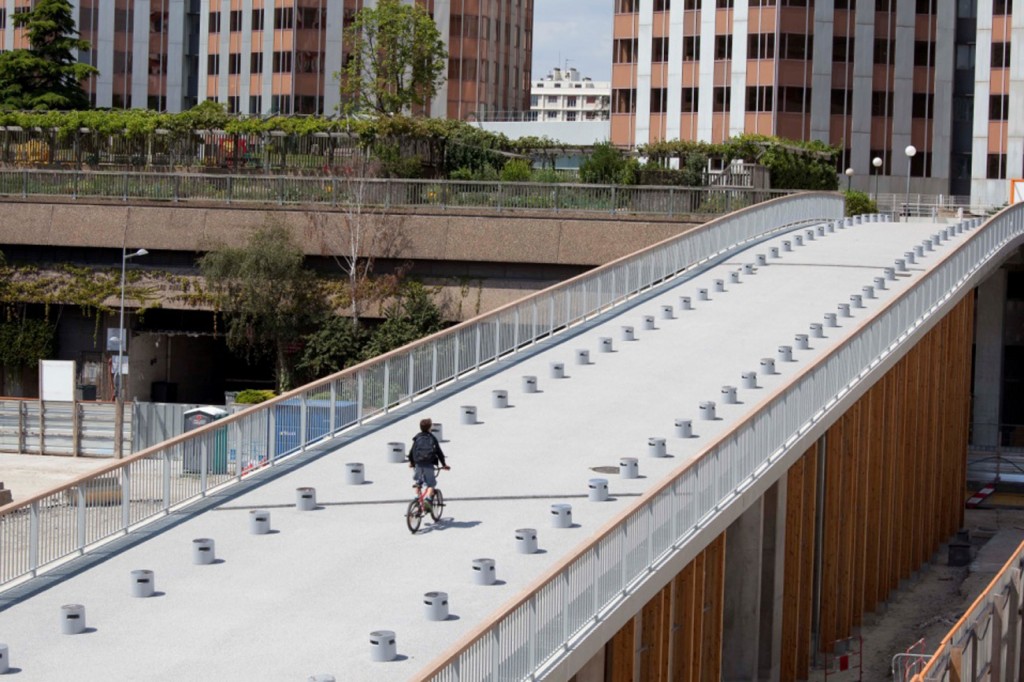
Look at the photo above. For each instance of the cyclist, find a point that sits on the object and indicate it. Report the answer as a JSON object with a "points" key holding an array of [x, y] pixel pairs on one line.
{"points": [[424, 454]]}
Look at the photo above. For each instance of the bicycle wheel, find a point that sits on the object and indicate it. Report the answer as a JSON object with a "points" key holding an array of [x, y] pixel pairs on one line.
{"points": [[413, 518], [438, 506]]}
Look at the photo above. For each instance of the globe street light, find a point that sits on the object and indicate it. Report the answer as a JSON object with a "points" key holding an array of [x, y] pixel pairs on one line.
{"points": [[877, 163], [910, 151], [118, 370], [849, 178]]}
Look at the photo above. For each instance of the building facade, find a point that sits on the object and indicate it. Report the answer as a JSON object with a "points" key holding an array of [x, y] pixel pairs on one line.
{"points": [[566, 96], [281, 56], [869, 76]]}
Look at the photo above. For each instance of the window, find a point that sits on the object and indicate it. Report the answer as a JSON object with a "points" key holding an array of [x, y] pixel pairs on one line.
{"points": [[1000, 55], [3, 17], [280, 104], [795, 46], [570, 102], [122, 62], [1000, 7], [925, 7], [881, 103], [762, 3], [552, 115], [534, 99], [156, 102], [624, 101], [309, 62], [282, 62], [570, 116], [691, 4], [659, 99], [691, 48], [761, 46], [924, 53], [923, 105], [662, 5], [257, 25], [885, 51], [759, 98], [920, 163], [284, 17], [255, 104], [213, 65], [624, 51], [996, 167], [625, 6], [235, 20], [720, 99], [998, 106], [214, 22], [794, 100], [842, 49], [723, 47], [309, 17], [232, 104], [552, 99], [846, 4], [841, 99], [256, 62], [689, 101], [965, 57], [659, 50], [723, 4], [234, 63], [157, 65]]}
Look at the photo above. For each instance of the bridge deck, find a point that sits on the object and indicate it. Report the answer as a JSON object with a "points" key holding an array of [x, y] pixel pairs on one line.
{"points": [[303, 600]]}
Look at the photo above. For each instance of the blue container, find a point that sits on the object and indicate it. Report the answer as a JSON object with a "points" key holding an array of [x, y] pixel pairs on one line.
{"points": [[288, 421]]}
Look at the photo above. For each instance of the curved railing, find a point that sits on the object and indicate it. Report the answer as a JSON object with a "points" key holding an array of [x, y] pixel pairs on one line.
{"points": [[529, 637], [64, 522]]}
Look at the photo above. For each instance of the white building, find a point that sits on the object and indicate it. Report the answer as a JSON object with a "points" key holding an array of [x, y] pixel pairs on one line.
{"points": [[566, 96]]}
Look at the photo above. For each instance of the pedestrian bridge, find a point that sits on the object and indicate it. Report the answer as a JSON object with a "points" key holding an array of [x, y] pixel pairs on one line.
{"points": [[793, 387]]}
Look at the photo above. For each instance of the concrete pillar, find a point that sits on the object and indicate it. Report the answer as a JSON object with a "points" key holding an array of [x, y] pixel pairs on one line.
{"points": [[988, 359], [773, 562], [741, 620]]}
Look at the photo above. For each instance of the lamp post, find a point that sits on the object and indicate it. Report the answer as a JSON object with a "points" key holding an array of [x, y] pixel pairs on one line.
{"points": [[118, 371], [877, 163], [849, 178], [910, 151]]}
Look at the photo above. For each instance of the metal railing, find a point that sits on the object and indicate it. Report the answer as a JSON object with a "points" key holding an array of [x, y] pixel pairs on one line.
{"points": [[389, 193], [930, 205], [531, 636], [42, 530]]}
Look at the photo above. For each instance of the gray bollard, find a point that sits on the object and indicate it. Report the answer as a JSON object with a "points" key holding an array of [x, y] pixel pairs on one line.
{"points": [[786, 353], [768, 366], [259, 521], [142, 583], [396, 452], [734, 277], [526, 540], [467, 414], [557, 370], [910, 256], [821, 230], [656, 447], [707, 410], [720, 285], [868, 291], [627, 333], [582, 356], [901, 265], [354, 473], [605, 345], [382, 646], [437, 430], [667, 312], [483, 571], [798, 240], [436, 605], [844, 310], [629, 467], [809, 235], [849, 222], [801, 342], [702, 295], [685, 303], [919, 251], [305, 499], [749, 379], [879, 283], [787, 245], [774, 252], [499, 399], [648, 322], [890, 274], [5, 663], [72, 619], [856, 301], [597, 489], [684, 428], [561, 516], [729, 395], [529, 383], [927, 244], [831, 320], [817, 330], [203, 551]]}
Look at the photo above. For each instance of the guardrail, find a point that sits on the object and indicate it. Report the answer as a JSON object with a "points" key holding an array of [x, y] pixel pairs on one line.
{"points": [[528, 638], [389, 193], [43, 530]]}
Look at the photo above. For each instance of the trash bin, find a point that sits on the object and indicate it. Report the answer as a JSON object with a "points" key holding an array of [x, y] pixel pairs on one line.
{"points": [[217, 455]]}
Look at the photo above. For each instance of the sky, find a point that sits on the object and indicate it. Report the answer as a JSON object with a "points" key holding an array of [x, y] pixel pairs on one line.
{"points": [[579, 31]]}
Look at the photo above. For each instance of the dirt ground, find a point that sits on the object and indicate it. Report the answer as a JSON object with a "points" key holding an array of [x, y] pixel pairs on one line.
{"points": [[924, 609]]}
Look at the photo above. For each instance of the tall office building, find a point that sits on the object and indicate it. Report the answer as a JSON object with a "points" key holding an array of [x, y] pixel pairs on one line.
{"points": [[870, 76], [281, 56]]}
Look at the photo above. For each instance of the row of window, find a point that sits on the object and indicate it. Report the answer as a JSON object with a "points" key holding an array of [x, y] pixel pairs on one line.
{"points": [[305, 62], [472, 26], [279, 104], [571, 101], [966, 8], [284, 18]]}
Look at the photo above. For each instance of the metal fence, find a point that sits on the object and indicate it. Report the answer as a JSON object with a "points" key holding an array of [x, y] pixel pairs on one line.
{"points": [[388, 193], [42, 530], [530, 637], [931, 205], [61, 428]]}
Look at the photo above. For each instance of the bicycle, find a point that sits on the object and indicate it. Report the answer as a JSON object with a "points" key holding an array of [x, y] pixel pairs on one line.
{"points": [[420, 507]]}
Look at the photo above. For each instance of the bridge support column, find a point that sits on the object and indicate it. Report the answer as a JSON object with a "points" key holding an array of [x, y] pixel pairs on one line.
{"points": [[744, 571], [988, 360]]}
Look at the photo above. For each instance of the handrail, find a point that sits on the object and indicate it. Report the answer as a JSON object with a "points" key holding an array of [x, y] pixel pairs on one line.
{"points": [[49, 527], [572, 594]]}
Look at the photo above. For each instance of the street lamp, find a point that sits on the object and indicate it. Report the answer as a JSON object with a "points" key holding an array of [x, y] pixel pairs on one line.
{"points": [[118, 370], [877, 163], [849, 178], [910, 151]]}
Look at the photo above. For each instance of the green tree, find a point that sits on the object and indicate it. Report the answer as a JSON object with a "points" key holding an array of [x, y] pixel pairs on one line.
{"points": [[266, 294], [397, 59], [46, 75], [859, 203], [605, 166], [336, 343], [413, 316]]}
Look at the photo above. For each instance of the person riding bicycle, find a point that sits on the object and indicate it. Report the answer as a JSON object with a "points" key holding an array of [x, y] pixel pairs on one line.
{"points": [[425, 454]]}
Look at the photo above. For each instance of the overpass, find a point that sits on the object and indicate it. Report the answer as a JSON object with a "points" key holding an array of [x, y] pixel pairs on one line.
{"points": [[763, 526]]}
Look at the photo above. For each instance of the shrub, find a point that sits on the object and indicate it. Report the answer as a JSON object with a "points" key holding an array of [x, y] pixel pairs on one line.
{"points": [[516, 170], [859, 203], [252, 396]]}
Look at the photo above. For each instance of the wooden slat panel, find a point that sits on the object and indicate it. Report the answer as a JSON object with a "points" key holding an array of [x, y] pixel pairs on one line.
{"points": [[807, 556], [879, 439], [697, 617], [791, 580], [682, 623], [714, 602], [653, 653], [832, 545], [621, 653]]}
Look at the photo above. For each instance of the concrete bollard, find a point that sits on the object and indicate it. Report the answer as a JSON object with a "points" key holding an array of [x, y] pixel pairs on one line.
{"points": [[529, 384], [627, 333], [656, 447], [561, 515], [142, 583], [396, 452], [203, 551], [786, 353], [768, 366], [648, 322], [383, 646], [72, 619], [483, 571], [499, 399], [749, 379], [354, 473], [305, 499], [435, 606], [605, 345], [685, 303], [5, 664], [259, 521], [467, 414], [582, 356], [629, 467], [707, 410], [526, 540], [684, 428], [597, 489], [557, 370], [667, 312]]}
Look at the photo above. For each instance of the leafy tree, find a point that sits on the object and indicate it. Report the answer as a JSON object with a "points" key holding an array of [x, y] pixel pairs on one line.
{"points": [[46, 75], [266, 294], [336, 343], [605, 166], [24, 342], [397, 59], [859, 203], [413, 316], [516, 170]]}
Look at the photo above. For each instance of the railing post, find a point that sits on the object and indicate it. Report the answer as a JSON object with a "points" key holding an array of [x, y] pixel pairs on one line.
{"points": [[33, 537], [231, 187], [614, 204], [359, 398], [476, 341], [303, 433], [280, 191], [515, 331], [272, 435], [501, 190], [24, 184], [332, 417], [671, 201], [334, 191], [80, 518], [124, 187], [177, 188], [74, 184], [458, 357], [433, 368], [203, 464], [167, 480], [412, 375], [126, 497], [558, 189], [385, 399]]}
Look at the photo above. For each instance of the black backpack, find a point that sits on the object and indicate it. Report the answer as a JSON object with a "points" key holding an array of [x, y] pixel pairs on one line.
{"points": [[423, 447]]}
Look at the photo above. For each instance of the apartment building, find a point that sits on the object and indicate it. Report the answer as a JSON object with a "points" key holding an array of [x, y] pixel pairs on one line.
{"points": [[567, 96], [870, 76], [281, 56]]}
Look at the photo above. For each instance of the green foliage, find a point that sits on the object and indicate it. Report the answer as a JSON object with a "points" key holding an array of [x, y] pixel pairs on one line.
{"points": [[267, 296], [335, 344], [24, 342], [859, 203], [413, 316], [46, 75], [516, 170], [791, 164], [397, 59], [606, 165], [253, 396]]}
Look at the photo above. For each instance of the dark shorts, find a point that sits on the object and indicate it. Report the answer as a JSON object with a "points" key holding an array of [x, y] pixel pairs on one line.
{"points": [[425, 476]]}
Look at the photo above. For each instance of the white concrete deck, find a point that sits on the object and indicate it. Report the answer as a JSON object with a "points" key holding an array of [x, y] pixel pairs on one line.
{"points": [[302, 601]]}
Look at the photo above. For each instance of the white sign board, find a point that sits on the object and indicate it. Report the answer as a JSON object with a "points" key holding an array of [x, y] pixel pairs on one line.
{"points": [[57, 380]]}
